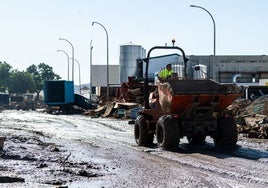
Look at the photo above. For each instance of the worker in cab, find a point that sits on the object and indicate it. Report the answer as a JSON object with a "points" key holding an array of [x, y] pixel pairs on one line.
{"points": [[166, 73]]}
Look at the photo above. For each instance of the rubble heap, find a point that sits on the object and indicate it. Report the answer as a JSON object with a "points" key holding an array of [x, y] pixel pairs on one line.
{"points": [[116, 110], [251, 117]]}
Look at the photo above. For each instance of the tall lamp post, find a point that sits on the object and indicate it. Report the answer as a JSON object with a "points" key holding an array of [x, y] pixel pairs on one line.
{"points": [[214, 26], [91, 48], [72, 56], [107, 57], [79, 74], [67, 61]]}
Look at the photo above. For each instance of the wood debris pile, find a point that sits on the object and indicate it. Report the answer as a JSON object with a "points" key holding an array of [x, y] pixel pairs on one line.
{"points": [[131, 91], [116, 110]]}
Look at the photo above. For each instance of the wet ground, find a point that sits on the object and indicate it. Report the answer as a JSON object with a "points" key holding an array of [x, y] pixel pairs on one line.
{"points": [[43, 150]]}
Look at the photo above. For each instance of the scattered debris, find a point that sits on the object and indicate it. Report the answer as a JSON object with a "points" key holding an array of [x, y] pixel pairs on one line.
{"points": [[116, 110], [251, 117], [29, 150], [2, 141], [7, 179], [66, 158], [131, 91]]}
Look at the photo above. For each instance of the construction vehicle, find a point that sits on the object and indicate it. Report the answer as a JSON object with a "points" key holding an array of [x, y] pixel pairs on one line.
{"points": [[186, 107]]}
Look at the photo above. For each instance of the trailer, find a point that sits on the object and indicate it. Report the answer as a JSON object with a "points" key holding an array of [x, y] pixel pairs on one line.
{"points": [[58, 95]]}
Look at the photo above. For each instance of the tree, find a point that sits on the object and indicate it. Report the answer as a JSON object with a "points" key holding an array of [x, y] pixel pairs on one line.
{"points": [[40, 73], [33, 70], [4, 75], [20, 82], [47, 73]]}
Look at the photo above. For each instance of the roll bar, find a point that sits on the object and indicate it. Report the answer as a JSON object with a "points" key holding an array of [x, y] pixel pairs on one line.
{"points": [[147, 60]]}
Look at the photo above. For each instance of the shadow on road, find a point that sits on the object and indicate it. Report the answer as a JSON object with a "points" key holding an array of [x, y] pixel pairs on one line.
{"points": [[219, 152]]}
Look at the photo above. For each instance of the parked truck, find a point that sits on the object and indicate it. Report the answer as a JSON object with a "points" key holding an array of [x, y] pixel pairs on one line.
{"points": [[186, 108]]}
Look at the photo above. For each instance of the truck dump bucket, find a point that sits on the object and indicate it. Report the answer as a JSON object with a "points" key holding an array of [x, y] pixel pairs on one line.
{"points": [[191, 98]]}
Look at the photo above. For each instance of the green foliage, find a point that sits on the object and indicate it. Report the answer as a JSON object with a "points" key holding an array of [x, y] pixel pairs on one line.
{"points": [[36, 77], [47, 73], [4, 75], [20, 82], [30, 80], [41, 73]]}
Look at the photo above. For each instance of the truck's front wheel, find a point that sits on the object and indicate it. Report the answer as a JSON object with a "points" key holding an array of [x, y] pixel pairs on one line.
{"points": [[167, 132], [227, 132], [142, 136]]}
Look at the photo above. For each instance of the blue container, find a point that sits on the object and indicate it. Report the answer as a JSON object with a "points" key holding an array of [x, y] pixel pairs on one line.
{"points": [[58, 92], [121, 112], [4, 98], [134, 112]]}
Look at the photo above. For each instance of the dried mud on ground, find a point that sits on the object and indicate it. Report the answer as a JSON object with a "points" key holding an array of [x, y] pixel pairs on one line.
{"points": [[43, 150], [27, 159]]}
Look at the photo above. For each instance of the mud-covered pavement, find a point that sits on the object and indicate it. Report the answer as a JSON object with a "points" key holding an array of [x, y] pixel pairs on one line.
{"points": [[43, 150]]}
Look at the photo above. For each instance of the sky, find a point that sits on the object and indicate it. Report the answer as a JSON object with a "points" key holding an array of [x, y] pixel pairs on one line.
{"points": [[30, 30]]}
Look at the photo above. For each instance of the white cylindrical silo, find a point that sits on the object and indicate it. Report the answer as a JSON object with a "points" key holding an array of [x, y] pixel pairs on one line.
{"points": [[129, 54]]}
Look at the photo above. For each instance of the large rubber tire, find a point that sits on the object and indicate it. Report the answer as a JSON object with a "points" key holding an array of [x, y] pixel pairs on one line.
{"points": [[227, 132], [196, 140], [141, 133], [167, 132]]}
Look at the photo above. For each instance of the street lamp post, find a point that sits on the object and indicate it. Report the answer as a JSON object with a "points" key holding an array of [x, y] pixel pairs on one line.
{"points": [[214, 26], [79, 74], [67, 61], [72, 56], [91, 48], [107, 57]]}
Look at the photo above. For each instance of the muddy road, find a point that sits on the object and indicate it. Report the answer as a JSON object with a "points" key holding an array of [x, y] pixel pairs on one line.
{"points": [[43, 150]]}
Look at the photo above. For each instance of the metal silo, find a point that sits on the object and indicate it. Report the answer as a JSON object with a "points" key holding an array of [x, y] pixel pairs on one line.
{"points": [[128, 60]]}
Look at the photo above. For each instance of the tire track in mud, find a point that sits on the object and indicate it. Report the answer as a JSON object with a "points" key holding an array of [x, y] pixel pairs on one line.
{"points": [[232, 164], [231, 169], [27, 156], [63, 126], [235, 165], [244, 167]]}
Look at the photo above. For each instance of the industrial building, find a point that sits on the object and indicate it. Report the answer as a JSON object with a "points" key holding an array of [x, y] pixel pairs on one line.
{"points": [[244, 70], [99, 77]]}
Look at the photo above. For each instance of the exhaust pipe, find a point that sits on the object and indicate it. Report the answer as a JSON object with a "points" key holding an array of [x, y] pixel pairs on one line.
{"points": [[235, 76]]}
